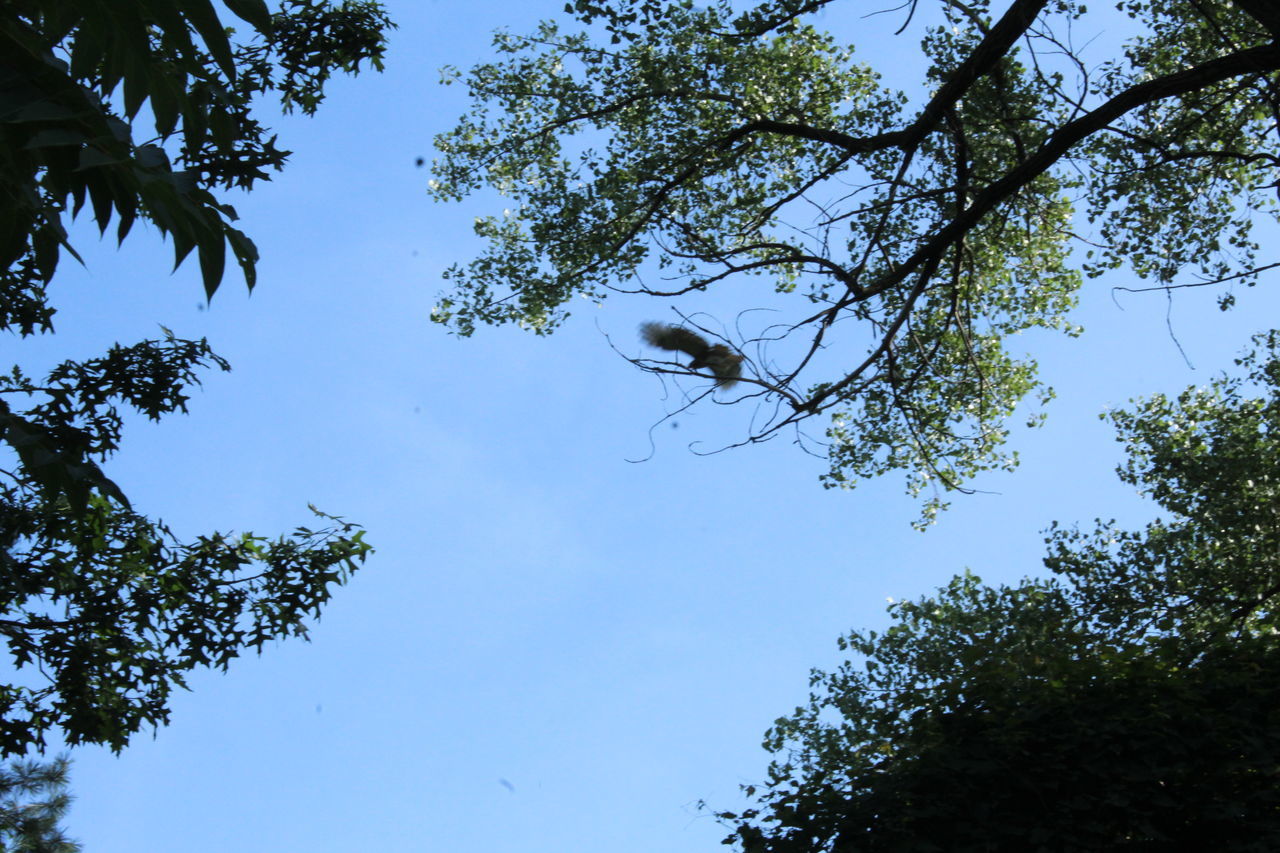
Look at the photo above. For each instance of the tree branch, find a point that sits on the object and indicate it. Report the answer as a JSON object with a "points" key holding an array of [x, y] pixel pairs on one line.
{"points": [[1251, 61]]}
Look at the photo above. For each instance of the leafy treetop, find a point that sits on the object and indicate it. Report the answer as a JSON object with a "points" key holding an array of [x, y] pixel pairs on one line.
{"points": [[687, 148], [1126, 702]]}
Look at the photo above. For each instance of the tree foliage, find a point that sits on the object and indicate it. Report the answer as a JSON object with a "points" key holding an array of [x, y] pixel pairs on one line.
{"points": [[669, 149], [74, 82], [1129, 701], [33, 800], [138, 110]]}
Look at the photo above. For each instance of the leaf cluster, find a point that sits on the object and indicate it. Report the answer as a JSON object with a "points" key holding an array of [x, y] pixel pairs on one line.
{"points": [[113, 611], [82, 81], [669, 149], [108, 605]]}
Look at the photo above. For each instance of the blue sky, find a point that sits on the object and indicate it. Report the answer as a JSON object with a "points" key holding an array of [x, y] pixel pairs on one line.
{"points": [[553, 648]]}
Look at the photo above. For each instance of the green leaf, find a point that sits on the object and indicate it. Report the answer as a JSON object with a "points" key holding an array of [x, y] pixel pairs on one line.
{"points": [[213, 257], [253, 11], [93, 157], [54, 136], [246, 254], [204, 18]]}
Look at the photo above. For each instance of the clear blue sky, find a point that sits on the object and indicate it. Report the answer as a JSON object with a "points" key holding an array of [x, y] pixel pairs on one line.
{"points": [[610, 638]]}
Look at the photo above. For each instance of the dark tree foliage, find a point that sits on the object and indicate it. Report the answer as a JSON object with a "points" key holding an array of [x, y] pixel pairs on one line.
{"points": [[1128, 702], [878, 249], [138, 110], [33, 800], [74, 81]]}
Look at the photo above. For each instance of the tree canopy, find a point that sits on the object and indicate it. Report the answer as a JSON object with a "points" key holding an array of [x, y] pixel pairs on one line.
{"points": [[138, 110], [902, 238], [1128, 701]]}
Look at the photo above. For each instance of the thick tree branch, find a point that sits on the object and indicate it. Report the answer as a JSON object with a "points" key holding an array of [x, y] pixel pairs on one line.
{"points": [[1251, 61], [984, 57], [930, 254], [1265, 12]]}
